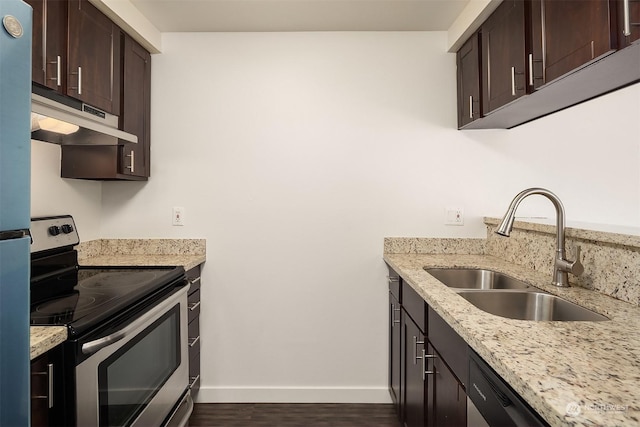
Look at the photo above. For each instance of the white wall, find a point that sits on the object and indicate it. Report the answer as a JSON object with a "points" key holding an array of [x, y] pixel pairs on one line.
{"points": [[294, 154], [52, 195]]}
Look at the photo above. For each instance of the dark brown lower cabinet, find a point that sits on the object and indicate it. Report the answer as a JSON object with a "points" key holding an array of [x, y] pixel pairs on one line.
{"points": [[415, 389], [193, 300], [395, 353], [426, 378], [41, 400], [448, 405], [47, 389]]}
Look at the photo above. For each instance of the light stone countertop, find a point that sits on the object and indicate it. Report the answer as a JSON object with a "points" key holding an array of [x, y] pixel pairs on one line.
{"points": [[188, 253], [550, 364], [44, 338], [116, 260]]}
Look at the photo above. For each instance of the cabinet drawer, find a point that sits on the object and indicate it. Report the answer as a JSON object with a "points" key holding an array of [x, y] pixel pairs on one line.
{"points": [[194, 285], [414, 306], [449, 344], [394, 284], [194, 305], [194, 337], [193, 275], [194, 372]]}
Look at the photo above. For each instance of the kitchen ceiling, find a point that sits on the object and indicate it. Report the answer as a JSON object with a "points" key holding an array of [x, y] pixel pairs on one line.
{"points": [[300, 15]]}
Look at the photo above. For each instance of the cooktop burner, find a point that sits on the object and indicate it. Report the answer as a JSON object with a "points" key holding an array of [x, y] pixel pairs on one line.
{"points": [[64, 309]]}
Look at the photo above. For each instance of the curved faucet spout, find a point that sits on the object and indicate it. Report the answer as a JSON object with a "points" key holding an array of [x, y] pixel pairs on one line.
{"points": [[561, 265]]}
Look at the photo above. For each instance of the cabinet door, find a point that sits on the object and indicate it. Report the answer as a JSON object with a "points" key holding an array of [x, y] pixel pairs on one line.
{"points": [[135, 115], [414, 386], [503, 55], [93, 72], [49, 46], [449, 397], [468, 63], [395, 353], [573, 34], [38, 41], [41, 399]]}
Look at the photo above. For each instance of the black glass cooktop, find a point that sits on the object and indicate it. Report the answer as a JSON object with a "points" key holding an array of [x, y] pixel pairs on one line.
{"points": [[82, 298]]}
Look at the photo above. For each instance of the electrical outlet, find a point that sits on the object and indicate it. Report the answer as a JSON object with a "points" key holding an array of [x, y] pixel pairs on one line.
{"points": [[178, 216], [454, 216]]}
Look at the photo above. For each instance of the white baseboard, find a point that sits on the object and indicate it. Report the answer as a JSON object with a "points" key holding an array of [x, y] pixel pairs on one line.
{"points": [[293, 395]]}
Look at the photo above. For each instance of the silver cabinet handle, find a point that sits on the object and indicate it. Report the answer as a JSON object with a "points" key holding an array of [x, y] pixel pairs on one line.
{"points": [[531, 69], [49, 396], [194, 380], [194, 281], [426, 356], [59, 71], [79, 87], [193, 341], [627, 19], [50, 374], [416, 343], [393, 279], [513, 81], [393, 315], [471, 106], [193, 306], [133, 161], [58, 77]]}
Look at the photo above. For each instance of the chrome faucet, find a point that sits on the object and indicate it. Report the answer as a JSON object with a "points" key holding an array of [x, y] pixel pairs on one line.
{"points": [[561, 265]]}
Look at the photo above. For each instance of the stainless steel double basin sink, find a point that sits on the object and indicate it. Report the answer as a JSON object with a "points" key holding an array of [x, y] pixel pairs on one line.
{"points": [[505, 296]]}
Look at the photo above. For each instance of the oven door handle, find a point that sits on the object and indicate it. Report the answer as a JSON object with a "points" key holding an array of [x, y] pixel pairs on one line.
{"points": [[94, 346], [97, 345]]}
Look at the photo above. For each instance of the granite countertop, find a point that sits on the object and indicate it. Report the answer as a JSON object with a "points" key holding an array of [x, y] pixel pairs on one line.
{"points": [[44, 338], [187, 261], [552, 365], [188, 253]]}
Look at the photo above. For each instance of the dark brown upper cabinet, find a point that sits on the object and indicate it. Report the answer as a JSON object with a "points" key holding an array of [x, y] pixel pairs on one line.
{"points": [[503, 56], [541, 56], [49, 46], [135, 114], [567, 35], [93, 68], [629, 22], [468, 66], [125, 162]]}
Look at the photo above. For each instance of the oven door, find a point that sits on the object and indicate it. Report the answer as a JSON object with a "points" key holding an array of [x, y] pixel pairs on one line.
{"points": [[135, 376]]}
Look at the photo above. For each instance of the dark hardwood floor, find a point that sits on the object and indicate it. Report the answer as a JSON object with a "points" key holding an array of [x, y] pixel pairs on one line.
{"points": [[293, 415]]}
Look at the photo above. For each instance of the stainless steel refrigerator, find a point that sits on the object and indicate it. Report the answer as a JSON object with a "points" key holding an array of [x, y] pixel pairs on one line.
{"points": [[15, 188]]}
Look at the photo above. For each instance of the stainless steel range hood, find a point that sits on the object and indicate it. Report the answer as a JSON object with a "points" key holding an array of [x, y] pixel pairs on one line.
{"points": [[54, 122]]}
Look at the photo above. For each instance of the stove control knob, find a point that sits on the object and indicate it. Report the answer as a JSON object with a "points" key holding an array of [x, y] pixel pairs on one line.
{"points": [[67, 228], [54, 230]]}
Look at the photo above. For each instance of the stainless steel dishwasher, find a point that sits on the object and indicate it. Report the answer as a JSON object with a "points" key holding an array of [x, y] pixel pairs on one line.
{"points": [[492, 402]]}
